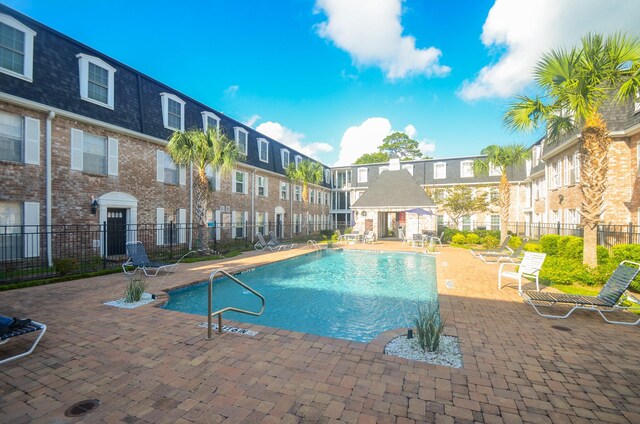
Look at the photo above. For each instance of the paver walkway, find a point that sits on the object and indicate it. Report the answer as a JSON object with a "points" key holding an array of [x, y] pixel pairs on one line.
{"points": [[152, 365]]}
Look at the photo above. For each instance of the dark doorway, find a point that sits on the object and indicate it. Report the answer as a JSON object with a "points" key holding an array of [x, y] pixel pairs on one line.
{"points": [[116, 231]]}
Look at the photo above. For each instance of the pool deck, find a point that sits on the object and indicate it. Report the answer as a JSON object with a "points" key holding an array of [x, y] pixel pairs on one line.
{"points": [[150, 365]]}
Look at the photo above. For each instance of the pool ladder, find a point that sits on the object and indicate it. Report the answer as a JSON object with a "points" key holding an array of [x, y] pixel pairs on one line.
{"points": [[229, 308], [312, 244]]}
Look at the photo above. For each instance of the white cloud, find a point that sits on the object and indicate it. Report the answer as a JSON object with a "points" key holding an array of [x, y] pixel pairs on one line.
{"points": [[293, 139], [252, 120], [371, 32], [426, 146], [527, 29], [410, 130], [232, 90]]}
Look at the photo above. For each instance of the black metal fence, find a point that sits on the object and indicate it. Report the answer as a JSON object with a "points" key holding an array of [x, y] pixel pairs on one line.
{"points": [[37, 252], [609, 235]]}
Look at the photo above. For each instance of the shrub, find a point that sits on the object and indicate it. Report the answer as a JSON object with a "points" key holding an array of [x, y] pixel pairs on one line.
{"points": [[485, 233], [448, 234], [429, 326], [515, 242], [491, 242], [348, 230], [629, 252], [571, 248], [602, 253], [565, 271], [533, 247], [549, 244], [472, 238], [135, 289], [458, 239], [65, 266]]}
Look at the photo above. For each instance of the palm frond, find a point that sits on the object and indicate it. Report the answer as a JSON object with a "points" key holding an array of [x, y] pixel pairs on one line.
{"points": [[525, 114]]}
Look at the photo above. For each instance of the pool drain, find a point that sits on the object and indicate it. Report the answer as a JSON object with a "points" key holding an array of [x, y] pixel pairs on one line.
{"points": [[82, 408], [560, 328]]}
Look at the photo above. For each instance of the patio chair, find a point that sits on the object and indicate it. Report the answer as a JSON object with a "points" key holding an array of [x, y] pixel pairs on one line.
{"points": [[262, 244], [609, 299], [273, 242], [140, 261], [503, 248], [369, 237], [418, 240], [340, 236], [14, 327], [513, 257], [402, 236], [529, 267]]}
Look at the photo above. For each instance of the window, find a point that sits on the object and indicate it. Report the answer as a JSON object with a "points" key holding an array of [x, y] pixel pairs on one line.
{"points": [[296, 193], [172, 112], [555, 177], [575, 178], [170, 233], [214, 178], [96, 80], [466, 223], [242, 139], [493, 195], [239, 219], [636, 105], [263, 150], [10, 230], [239, 182], [494, 171], [363, 174], [553, 216], [10, 137], [572, 217], [495, 222], [261, 185], [466, 169], [409, 168], [284, 155], [298, 159], [439, 171], [296, 223], [167, 171], [312, 196], [261, 222], [16, 48], [284, 190], [210, 120], [93, 154], [170, 171], [382, 169], [327, 176]]}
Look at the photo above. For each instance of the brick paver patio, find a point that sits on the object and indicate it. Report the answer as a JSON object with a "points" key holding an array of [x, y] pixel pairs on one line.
{"points": [[152, 365]]}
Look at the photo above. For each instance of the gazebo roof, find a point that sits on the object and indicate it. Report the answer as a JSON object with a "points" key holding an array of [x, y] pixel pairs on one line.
{"points": [[394, 190]]}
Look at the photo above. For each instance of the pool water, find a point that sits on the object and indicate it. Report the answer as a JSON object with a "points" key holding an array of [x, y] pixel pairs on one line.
{"points": [[344, 294]]}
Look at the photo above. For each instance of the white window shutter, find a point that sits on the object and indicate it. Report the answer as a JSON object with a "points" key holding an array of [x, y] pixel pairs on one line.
{"points": [[266, 186], [233, 181], [182, 225], [182, 175], [31, 233], [31, 141], [160, 226], [266, 219], [244, 223], [246, 182], [160, 166], [217, 218], [76, 149], [113, 156], [233, 224]]}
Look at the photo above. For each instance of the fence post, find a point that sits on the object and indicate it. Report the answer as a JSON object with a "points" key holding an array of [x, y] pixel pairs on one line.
{"points": [[215, 235], [630, 232], [104, 244], [558, 228], [170, 238], [538, 230], [246, 228]]}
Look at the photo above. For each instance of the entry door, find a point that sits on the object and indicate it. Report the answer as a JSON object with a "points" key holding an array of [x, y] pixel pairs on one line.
{"points": [[116, 231], [279, 226]]}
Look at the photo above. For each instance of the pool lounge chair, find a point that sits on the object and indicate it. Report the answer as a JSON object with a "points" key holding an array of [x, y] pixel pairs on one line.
{"points": [[513, 257], [529, 267], [14, 327], [608, 300], [275, 243], [262, 244], [139, 260], [502, 249], [369, 237]]}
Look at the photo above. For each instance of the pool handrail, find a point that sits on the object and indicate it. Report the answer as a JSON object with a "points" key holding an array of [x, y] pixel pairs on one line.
{"points": [[229, 308]]}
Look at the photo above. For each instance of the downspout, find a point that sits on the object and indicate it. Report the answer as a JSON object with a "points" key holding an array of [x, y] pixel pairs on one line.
{"points": [[291, 191], [191, 205], [253, 212], [48, 219]]}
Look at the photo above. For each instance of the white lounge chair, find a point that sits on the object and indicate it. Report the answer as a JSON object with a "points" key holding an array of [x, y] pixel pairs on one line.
{"points": [[529, 267], [513, 256], [262, 244], [369, 237], [502, 249], [275, 243]]}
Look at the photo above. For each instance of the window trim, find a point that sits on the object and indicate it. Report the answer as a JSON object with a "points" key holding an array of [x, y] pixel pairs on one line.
{"points": [[297, 159], [165, 110], [205, 116], [236, 132], [327, 175], [409, 168], [469, 164], [284, 185], [435, 169], [29, 34], [83, 63], [366, 175], [263, 141], [282, 154], [235, 182]]}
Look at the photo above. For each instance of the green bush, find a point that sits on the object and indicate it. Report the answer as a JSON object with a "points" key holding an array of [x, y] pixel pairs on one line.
{"points": [[135, 289], [628, 252], [484, 233], [459, 239], [533, 247], [602, 253], [472, 238], [490, 242], [429, 326], [571, 247], [348, 230], [565, 271], [65, 266], [448, 234], [515, 242], [549, 244]]}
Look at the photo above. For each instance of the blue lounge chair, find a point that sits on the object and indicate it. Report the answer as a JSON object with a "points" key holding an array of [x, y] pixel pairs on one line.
{"points": [[14, 327], [138, 259]]}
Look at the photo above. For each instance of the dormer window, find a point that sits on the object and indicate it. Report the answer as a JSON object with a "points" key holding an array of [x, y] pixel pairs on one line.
{"points": [[636, 105], [284, 154], [96, 80], [172, 112], [263, 150], [409, 168], [210, 120], [466, 169], [16, 48], [298, 159], [327, 176], [439, 171], [242, 139], [494, 171]]}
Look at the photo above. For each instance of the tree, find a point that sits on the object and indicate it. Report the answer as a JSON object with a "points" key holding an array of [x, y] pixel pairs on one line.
{"points": [[459, 201], [399, 144], [502, 157], [376, 157], [575, 84], [306, 172], [203, 149]]}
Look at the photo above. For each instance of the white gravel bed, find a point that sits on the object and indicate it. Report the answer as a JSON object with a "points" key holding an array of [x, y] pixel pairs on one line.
{"points": [[448, 353], [120, 303]]}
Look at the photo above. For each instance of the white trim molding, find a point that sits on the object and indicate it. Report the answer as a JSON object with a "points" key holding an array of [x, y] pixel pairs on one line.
{"points": [[29, 34], [165, 110], [83, 63]]}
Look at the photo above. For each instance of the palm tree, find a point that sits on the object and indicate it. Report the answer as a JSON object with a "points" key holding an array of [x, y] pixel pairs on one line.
{"points": [[502, 158], [203, 149], [306, 172], [575, 84]]}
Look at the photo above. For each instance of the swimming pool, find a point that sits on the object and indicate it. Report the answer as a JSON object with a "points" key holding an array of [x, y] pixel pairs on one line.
{"points": [[344, 294]]}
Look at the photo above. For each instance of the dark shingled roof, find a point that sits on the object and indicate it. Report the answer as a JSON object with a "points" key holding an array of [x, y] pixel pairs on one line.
{"points": [[394, 189]]}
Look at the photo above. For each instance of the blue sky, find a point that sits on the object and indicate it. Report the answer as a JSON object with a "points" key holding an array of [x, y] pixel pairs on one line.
{"points": [[333, 77]]}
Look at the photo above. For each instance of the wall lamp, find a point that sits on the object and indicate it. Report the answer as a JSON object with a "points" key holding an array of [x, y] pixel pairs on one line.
{"points": [[94, 205], [560, 198]]}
